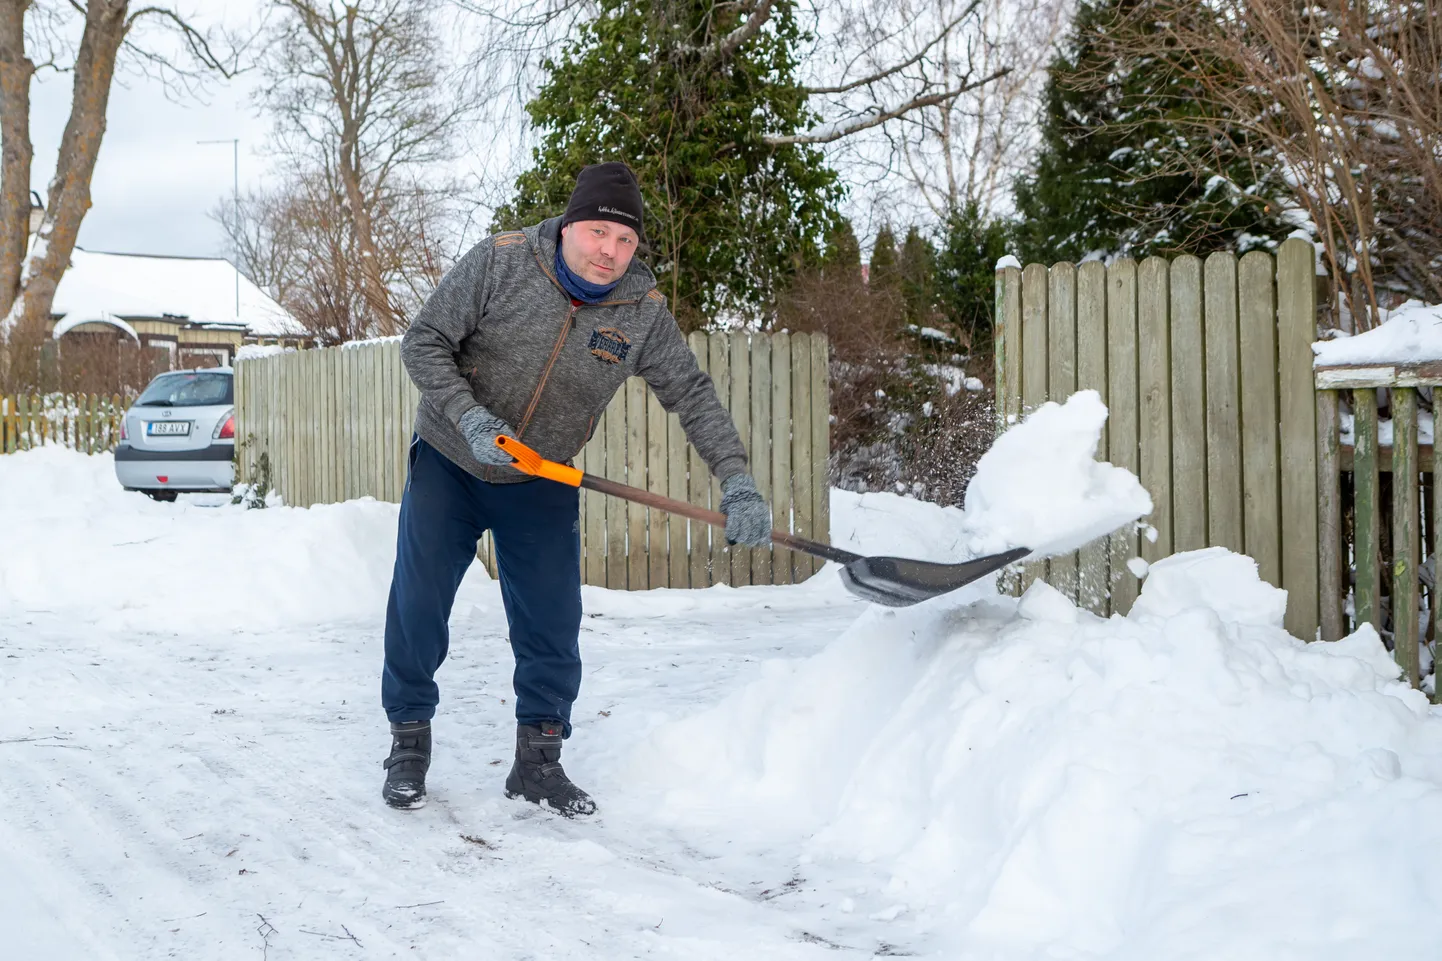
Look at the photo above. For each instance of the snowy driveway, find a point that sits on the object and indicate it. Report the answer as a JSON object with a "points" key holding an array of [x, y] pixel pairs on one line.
{"points": [[214, 792], [190, 746], [178, 789]]}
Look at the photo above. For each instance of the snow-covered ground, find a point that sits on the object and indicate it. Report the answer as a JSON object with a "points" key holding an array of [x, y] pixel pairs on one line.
{"points": [[190, 745]]}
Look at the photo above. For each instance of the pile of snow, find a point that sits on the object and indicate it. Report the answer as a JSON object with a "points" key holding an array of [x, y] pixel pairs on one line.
{"points": [[1022, 779], [200, 563], [1040, 485], [1411, 334], [1018, 778]]}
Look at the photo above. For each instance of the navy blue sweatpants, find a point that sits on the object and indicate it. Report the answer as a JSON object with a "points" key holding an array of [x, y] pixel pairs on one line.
{"points": [[444, 511]]}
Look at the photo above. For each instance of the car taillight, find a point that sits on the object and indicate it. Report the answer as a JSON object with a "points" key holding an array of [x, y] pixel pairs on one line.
{"points": [[226, 430]]}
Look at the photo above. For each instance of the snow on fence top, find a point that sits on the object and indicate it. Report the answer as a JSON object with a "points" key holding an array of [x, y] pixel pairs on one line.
{"points": [[1411, 334]]}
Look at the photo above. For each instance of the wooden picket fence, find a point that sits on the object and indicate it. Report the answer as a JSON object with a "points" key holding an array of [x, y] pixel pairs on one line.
{"points": [[1206, 368], [89, 423], [1413, 522], [336, 424]]}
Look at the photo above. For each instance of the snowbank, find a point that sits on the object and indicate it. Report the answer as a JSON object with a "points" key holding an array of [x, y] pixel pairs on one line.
{"points": [[1024, 778], [1411, 334], [79, 545], [1019, 779]]}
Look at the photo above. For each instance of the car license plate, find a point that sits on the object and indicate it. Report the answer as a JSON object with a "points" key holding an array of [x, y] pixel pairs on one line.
{"points": [[157, 428]]}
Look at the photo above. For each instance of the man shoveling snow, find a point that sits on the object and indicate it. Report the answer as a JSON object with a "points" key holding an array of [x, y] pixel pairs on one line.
{"points": [[529, 336]]}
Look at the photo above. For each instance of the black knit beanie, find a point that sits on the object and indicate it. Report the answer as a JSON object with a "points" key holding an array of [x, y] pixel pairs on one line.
{"points": [[607, 191]]}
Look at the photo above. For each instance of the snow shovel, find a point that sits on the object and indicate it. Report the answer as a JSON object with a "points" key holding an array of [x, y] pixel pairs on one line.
{"points": [[892, 581]]}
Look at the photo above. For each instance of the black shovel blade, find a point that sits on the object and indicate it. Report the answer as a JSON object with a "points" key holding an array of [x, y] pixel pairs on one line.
{"points": [[898, 582]]}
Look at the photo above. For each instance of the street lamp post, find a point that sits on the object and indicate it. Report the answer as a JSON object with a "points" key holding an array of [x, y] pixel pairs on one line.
{"points": [[235, 187]]}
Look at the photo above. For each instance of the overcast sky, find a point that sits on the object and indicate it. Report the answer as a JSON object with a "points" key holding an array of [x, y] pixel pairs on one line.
{"points": [[154, 185]]}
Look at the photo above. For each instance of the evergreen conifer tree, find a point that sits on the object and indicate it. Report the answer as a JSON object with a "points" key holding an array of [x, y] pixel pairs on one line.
{"points": [[1124, 168], [966, 270], [729, 218]]}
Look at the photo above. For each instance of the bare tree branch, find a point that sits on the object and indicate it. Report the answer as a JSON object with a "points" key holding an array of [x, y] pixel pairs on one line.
{"points": [[890, 71], [729, 44], [877, 119], [363, 112], [197, 42]]}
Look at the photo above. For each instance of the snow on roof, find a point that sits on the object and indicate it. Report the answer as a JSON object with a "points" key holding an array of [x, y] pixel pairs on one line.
{"points": [[70, 321], [1410, 334], [101, 285]]}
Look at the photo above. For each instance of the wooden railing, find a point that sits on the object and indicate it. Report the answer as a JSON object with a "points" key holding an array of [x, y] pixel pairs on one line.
{"points": [[89, 423], [1401, 512]]}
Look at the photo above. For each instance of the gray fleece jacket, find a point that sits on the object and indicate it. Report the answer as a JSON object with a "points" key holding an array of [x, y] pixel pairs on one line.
{"points": [[499, 331]]}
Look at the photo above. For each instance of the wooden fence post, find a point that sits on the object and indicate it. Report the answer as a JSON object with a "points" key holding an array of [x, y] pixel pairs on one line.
{"points": [[761, 441], [802, 504], [1404, 532], [1061, 345], [1123, 447], [1034, 370], [1189, 407], [1296, 391], [1367, 538], [740, 407], [781, 419], [1093, 578], [1224, 415], [1155, 397], [1330, 556]]}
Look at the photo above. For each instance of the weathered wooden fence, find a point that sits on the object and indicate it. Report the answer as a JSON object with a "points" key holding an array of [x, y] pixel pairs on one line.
{"points": [[335, 424], [1206, 368], [1391, 528], [85, 422]]}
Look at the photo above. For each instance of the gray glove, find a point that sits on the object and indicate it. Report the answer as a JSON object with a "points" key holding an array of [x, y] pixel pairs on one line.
{"points": [[748, 516], [481, 428]]}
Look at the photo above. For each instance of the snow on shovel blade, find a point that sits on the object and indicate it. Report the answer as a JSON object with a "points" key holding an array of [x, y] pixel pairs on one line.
{"points": [[898, 582]]}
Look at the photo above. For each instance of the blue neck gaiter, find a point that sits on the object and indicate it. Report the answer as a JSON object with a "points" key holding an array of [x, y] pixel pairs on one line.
{"points": [[579, 288]]}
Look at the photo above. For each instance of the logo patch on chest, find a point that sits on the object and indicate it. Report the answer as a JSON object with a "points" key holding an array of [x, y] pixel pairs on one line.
{"points": [[609, 344]]}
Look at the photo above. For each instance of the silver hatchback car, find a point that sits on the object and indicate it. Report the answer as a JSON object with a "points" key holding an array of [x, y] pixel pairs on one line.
{"points": [[179, 435]]}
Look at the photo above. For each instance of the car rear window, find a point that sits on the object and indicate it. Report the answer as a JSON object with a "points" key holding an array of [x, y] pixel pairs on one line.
{"points": [[189, 390]]}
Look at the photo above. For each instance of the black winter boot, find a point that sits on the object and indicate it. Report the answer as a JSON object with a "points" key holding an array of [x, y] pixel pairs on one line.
{"points": [[537, 775], [406, 767]]}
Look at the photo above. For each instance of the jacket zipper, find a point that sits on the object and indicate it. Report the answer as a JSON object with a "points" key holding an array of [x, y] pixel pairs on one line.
{"points": [[566, 327]]}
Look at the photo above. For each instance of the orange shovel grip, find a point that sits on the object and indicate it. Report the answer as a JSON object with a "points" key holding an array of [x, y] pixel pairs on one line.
{"points": [[529, 462]]}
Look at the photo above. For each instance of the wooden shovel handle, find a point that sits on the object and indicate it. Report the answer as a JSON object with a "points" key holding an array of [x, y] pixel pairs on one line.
{"points": [[530, 462]]}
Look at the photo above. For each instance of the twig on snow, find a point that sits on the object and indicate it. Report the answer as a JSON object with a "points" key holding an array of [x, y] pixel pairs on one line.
{"points": [[335, 937], [265, 930]]}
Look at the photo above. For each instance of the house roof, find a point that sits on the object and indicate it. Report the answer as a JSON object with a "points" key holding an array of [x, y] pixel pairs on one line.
{"points": [[72, 320], [101, 285]]}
